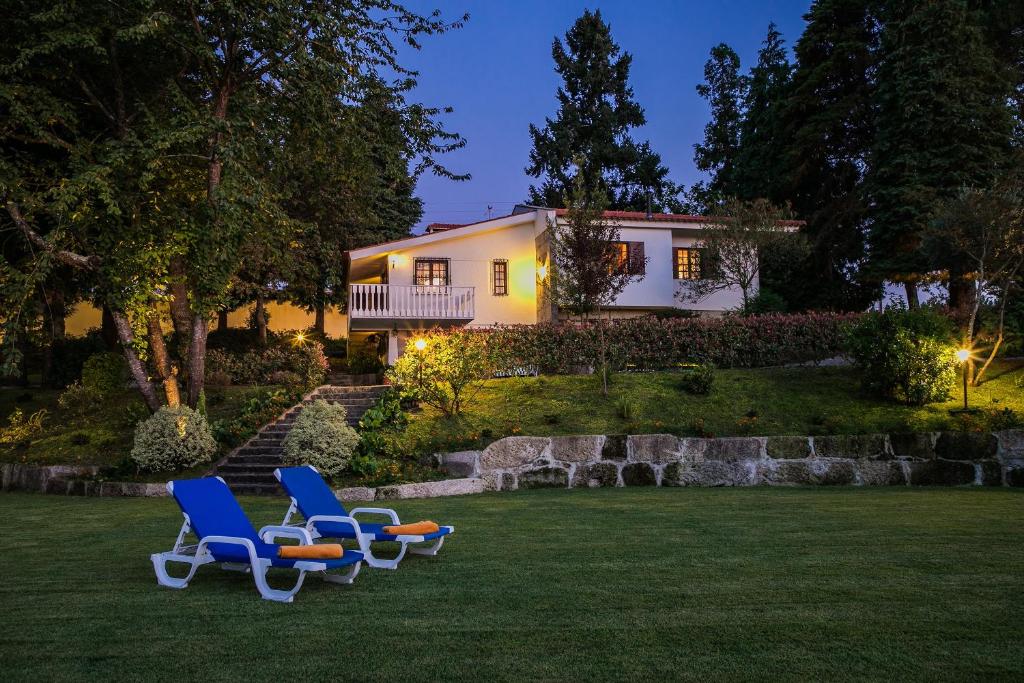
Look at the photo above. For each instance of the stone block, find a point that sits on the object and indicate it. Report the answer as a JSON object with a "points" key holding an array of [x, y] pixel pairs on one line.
{"points": [[788, 447], [544, 478], [1011, 444], [431, 489], [834, 472], [1015, 475], [733, 449], [353, 494], [513, 451], [850, 446], [576, 448], [461, 463], [814, 471], [653, 448], [966, 445], [991, 472], [509, 481], [595, 475], [614, 447], [638, 474], [881, 473], [941, 473], [709, 473], [492, 481], [918, 445]]}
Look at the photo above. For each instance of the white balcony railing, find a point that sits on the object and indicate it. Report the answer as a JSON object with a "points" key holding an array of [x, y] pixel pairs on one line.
{"points": [[411, 301]]}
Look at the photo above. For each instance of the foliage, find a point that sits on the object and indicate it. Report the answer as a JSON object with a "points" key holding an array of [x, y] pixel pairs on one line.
{"points": [[386, 413], [697, 379], [105, 372], [905, 355], [257, 411], [259, 365], [80, 398], [321, 437], [765, 301], [588, 143], [172, 439], [447, 372], [733, 249], [723, 88], [651, 343], [364, 360], [20, 429]]}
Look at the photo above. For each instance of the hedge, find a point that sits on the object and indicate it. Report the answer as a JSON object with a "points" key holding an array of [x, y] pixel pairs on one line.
{"points": [[647, 343]]}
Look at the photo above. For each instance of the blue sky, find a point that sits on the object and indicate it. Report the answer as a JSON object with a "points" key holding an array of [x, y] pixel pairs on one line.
{"points": [[498, 74]]}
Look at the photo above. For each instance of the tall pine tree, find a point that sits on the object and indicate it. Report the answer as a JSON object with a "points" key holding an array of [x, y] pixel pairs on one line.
{"points": [[723, 88], [943, 123], [590, 138]]}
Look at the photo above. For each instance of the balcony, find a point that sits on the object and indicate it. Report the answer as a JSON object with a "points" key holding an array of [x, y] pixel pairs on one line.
{"points": [[385, 307]]}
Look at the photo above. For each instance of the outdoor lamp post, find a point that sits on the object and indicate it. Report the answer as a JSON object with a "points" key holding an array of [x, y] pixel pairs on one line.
{"points": [[964, 355], [420, 344]]}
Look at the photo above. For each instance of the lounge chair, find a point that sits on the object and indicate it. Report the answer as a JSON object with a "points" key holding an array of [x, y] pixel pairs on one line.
{"points": [[227, 536], [326, 518]]}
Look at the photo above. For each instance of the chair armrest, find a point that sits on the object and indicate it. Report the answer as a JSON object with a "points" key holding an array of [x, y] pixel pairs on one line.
{"points": [[360, 539], [227, 540], [376, 511], [273, 531]]}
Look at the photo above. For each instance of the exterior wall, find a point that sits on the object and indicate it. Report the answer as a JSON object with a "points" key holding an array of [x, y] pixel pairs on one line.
{"points": [[283, 317], [725, 300], [470, 263]]}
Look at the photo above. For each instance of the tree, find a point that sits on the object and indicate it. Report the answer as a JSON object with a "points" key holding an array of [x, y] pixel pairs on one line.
{"points": [[589, 138], [723, 88], [943, 123], [732, 251], [985, 227], [447, 372]]}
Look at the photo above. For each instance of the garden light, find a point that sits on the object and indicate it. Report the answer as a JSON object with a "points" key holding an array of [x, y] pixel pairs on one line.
{"points": [[542, 272], [420, 344], [964, 355], [300, 338]]}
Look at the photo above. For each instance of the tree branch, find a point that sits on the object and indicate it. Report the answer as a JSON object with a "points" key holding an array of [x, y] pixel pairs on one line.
{"points": [[70, 258]]}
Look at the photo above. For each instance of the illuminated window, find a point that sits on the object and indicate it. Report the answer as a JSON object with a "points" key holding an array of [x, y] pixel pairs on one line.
{"points": [[432, 272], [620, 251], [687, 265], [499, 277]]}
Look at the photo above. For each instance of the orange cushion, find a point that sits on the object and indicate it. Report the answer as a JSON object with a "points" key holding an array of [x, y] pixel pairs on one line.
{"points": [[415, 529], [321, 551]]}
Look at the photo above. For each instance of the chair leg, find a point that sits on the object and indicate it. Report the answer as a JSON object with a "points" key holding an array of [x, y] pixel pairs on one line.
{"points": [[380, 563], [259, 575], [428, 549], [345, 578], [160, 561]]}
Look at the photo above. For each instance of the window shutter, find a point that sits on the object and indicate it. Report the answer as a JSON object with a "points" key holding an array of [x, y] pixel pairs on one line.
{"points": [[675, 263], [637, 260]]}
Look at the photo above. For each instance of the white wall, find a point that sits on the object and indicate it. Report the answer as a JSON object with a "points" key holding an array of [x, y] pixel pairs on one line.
{"points": [[724, 300]]}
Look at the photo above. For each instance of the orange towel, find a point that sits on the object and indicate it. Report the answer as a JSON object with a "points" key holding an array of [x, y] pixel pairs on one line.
{"points": [[416, 529], [322, 551]]}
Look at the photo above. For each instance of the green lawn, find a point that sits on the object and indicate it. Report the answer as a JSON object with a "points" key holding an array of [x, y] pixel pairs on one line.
{"points": [[760, 402], [656, 584], [101, 435]]}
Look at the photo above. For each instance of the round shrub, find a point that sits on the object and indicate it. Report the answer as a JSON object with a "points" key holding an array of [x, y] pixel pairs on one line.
{"points": [[905, 355], [105, 372], [697, 379], [172, 439], [321, 437]]}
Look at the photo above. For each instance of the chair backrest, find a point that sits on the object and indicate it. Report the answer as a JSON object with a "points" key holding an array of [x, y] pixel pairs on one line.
{"points": [[212, 508], [311, 493]]}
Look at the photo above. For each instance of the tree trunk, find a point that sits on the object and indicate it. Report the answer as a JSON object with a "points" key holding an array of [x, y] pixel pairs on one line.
{"points": [[197, 359], [222, 320], [318, 321], [913, 301], [261, 319], [108, 330], [962, 295], [54, 314], [181, 313], [161, 361], [135, 366]]}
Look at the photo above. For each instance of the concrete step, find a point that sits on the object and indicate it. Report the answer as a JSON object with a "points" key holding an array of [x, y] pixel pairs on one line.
{"points": [[262, 469], [241, 458], [266, 443], [250, 451], [273, 489]]}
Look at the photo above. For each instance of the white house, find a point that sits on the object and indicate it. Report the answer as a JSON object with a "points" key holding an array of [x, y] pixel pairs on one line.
{"points": [[495, 272]]}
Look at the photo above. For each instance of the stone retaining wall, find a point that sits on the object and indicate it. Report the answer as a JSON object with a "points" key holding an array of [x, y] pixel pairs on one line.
{"points": [[946, 458]]}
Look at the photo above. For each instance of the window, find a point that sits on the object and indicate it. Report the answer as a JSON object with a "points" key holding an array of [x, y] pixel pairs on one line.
{"points": [[629, 257], [499, 277], [432, 272], [687, 265]]}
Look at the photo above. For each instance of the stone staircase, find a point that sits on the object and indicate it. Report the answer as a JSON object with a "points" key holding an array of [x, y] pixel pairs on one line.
{"points": [[249, 469]]}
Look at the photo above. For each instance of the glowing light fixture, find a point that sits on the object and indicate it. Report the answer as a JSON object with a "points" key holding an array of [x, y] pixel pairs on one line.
{"points": [[963, 354], [394, 259], [420, 344], [542, 271], [299, 337]]}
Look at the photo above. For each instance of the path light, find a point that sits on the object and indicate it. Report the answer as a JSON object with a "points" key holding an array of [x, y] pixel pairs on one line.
{"points": [[964, 355], [542, 271], [300, 338], [420, 344]]}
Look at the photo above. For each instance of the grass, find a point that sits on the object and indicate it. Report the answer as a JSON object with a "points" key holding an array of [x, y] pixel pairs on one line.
{"points": [[611, 584], [760, 402], [101, 435]]}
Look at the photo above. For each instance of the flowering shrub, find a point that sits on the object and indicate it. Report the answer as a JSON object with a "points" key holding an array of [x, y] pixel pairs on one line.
{"points": [[172, 439], [260, 365], [650, 343], [447, 372], [321, 437]]}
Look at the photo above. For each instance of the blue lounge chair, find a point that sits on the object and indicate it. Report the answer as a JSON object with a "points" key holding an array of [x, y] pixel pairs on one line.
{"points": [[226, 536], [326, 518]]}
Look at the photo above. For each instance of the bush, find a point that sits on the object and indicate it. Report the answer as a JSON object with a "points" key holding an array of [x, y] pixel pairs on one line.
{"points": [[697, 379], [258, 365], [79, 399], [651, 343], [905, 355], [105, 372], [285, 378], [70, 355], [172, 439], [447, 372], [321, 437], [256, 412], [364, 360], [21, 429]]}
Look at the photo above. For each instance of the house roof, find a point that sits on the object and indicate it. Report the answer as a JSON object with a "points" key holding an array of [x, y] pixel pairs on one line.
{"points": [[666, 217], [441, 227]]}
